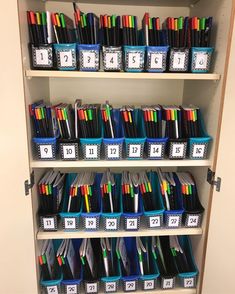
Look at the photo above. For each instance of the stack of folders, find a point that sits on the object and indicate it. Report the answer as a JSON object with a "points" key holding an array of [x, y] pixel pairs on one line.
{"points": [[130, 30], [68, 260], [145, 255], [75, 197], [128, 119], [168, 190], [106, 114], [172, 122], [130, 191], [43, 119], [109, 192], [63, 28], [110, 29], [151, 30], [88, 191], [51, 188], [47, 261], [200, 31], [65, 119], [152, 121], [125, 261], [179, 255], [191, 126]]}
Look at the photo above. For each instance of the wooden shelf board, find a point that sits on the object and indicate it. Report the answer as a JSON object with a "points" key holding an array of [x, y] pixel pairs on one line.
{"points": [[177, 290], [121, 75]]}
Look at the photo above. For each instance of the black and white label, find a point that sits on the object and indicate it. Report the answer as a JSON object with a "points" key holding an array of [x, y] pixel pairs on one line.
{"points": [[179, 59], [134, 150], [201, 60], [88, 59], [48, 223], [130, 286], [178, 150], [111, 60], [192, 221], [52, 290], [189, 283], [131, 223], [90, 223], [154, 221], [113, 151], [42, 57], [134, 59], [155, 150], [167, 284], [198, 150], [46, 151], [156, 60], [91, 287], [110, 287], [71, 289], [69, 152], [70, 223], [149, 285], [92, 151], [111, 224], [174, 221], [66, 58]]}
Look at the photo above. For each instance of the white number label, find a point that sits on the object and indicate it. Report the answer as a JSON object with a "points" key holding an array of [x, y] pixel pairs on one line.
{"points": [[113, 151], [154, 221], [189, 283], [49, 223], [134, 150], [155, 150], [92, 151], [88, 59], [130, 286], [52, 289], [111, 224], [110, 287], [198, 150], [168, 283], [178, 150], [201, 60], [111, 59], [69, 151], [91, 288], [149, 285], [179, 60], [42, 57], [46, 151], [71, 289], [132, 224], [192, 221], [134, 59], [70, 223], [174, 221], [90, 223], [66, 58], [156, 61]]}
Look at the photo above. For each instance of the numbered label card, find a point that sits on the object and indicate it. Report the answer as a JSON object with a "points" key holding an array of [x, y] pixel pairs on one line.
{"points": [[92, 151], [110, 287], [134, 59], [189, 283], [155, 150], [91, 288], [46, 151], [149, 285], [130, 286], [154, 221], [88, 59], [178, 150], [174, 221], [131, 223], [113, 151], [111, 224], [134, 150], [52, 290], [70, 223], [66, 58], [111, 60], [90, 223], [71, 289], [198, 150], [42, 57], [179, 60], [192, 221], [168, 284], [201, 60], [156, 60], [69, 151], [48, 223]]}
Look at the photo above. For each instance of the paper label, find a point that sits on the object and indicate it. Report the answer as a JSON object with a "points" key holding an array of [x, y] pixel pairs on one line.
{"points": [[178, 150], [132, 224], [198, 150], [167, 284], [110, 287], [113, 151], [134, 59], [42, 57], [130, 286], [92, 151], [66, 58], [48, 223], [149, 285], [156, 60], [90, 223], [71, 289], [111, 224], [201, 59], [154, 221], [46, 151], [70, 223], [134, 150], [174, 221], [189, 283], [69, 151], [179, 60], [91, 287], [52, 289], [192, 221], [88, 59], [155, 150], [111, 60]]}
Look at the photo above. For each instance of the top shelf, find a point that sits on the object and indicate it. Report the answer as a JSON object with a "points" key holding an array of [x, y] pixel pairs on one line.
{"points": [[121, 75]]}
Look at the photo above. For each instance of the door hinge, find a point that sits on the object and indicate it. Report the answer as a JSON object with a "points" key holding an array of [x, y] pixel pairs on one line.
{"points": [[211, 180], [28, 184]]}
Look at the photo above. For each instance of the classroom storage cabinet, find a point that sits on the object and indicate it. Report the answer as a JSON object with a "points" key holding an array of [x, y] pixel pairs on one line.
{"points": [[203, 90]]}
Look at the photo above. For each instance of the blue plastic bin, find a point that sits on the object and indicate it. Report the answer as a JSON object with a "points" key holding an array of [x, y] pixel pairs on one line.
{"points": [[66, 56], [134, 58], [46, 148], [89, 57], [156, 58], [201, 59]]}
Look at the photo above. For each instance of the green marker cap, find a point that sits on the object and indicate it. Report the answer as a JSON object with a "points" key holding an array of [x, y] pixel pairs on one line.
{"points": [[118, 254], [173, 251], [62, 20], [89, 114], [155, 116], [44, 18], [180, 23], [202, 23], [83, 261]]}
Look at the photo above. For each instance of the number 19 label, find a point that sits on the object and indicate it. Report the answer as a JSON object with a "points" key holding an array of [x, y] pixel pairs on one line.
{"points": [[90, 223]]}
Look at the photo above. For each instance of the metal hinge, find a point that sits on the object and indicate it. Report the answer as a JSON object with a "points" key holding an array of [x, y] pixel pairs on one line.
{"points": [[29, 184], [211, 180]]}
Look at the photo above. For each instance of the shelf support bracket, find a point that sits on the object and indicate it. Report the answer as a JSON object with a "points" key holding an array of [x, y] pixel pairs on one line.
{"points": [[211, 180], [29, 184]]}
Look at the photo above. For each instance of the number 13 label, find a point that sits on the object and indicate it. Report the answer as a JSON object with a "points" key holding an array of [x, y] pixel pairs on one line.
{"points": [[134, 150]]}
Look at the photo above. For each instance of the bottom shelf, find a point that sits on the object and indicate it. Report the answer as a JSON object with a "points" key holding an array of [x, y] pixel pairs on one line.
{"points": [[177, 290]]}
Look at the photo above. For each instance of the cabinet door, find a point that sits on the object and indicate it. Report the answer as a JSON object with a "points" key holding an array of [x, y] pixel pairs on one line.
{"points": [[18, 273], [220, 255]]}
